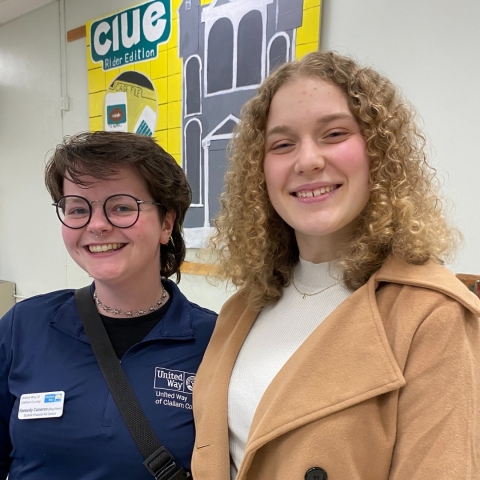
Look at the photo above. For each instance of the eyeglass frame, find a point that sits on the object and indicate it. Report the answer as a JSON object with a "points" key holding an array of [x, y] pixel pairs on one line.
{"points": [[139, 202]]}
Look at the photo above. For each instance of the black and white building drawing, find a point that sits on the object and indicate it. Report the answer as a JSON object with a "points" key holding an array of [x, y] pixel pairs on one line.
{"points": [[227, 48]]}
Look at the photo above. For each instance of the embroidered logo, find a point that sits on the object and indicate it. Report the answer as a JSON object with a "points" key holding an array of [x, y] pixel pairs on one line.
{"points": [[174, 387], [189, 382]]}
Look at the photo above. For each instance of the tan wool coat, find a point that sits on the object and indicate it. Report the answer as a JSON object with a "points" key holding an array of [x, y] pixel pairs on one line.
{"points": [[386, 388]]}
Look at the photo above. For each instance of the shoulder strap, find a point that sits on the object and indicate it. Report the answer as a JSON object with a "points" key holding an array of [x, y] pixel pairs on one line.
{"points": [[158, 460]]}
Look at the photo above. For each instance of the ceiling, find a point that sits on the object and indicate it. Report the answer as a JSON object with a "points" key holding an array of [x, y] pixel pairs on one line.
{"points": [[11, 9]]}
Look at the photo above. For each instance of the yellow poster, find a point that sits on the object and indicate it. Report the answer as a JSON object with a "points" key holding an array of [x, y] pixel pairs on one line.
{"points": [[180, 70]]}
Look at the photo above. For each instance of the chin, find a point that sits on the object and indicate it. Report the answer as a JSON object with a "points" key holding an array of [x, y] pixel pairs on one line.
{"points": [[105, 277]]}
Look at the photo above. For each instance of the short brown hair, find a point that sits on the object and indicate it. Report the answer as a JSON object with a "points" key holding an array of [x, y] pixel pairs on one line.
{"points": [[404, 214], [102, 154]]}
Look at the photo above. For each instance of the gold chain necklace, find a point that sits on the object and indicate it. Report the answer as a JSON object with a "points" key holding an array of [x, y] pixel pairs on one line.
{"points": [[305, 295], [131, 313]]}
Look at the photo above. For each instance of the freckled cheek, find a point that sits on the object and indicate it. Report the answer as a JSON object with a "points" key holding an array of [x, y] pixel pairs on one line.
{"points": [[275, 172], [347, 151], [356, 170]]}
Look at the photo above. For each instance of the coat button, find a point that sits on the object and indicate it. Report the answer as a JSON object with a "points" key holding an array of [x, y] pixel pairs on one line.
{"points": [[316, 473]]}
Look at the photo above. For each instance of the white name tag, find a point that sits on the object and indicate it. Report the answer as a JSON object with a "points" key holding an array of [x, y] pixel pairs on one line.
{"points": [[41, 405]]}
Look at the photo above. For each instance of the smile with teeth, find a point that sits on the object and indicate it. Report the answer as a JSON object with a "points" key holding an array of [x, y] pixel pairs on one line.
{"points": [[106, 247], [315, 193]]}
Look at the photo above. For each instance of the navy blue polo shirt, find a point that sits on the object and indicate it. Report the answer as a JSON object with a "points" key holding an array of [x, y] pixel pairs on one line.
{"points": [[44, 348]]}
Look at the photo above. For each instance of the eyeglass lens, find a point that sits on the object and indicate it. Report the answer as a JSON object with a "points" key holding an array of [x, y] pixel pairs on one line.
{"points": [[75, 212]]}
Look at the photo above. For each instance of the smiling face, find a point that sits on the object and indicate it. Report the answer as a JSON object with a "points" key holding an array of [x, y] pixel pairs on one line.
{"points": [[112, 255], [316, 167]]}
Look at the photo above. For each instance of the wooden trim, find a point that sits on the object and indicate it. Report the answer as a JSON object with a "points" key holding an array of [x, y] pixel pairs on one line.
{"points": [[472, 282], [193, 268], [77, 33]]}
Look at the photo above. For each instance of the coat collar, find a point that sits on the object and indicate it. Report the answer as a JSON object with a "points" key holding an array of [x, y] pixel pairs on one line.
{"points": [[354, 363], [431, 276]]}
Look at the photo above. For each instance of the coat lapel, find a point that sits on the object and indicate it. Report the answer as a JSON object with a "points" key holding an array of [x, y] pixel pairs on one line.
{"points": [[211, 443], [345, 361]]}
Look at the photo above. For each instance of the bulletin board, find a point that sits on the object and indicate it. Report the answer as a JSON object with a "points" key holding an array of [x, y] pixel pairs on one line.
{"points": [[180, 70]]}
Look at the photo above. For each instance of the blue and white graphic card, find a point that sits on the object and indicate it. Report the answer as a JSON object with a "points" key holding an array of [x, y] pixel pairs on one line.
{"points": [[41, 405]]}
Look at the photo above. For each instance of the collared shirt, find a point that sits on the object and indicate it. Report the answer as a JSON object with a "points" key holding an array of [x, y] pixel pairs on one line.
{"points": [[44, 348]]}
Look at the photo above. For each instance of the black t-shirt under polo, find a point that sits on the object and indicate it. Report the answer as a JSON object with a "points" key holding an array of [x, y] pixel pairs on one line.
{"points": [[126, 332]]}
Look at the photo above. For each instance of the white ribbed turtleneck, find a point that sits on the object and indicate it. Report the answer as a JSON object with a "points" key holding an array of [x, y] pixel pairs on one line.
{"points": [[276, 334]]}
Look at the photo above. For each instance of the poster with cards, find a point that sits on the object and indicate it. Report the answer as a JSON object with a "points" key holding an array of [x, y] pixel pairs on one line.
{"points": [[180, 70]]}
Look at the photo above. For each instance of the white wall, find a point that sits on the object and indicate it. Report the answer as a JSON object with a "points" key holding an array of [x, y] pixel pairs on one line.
{"points": [[428, 47], [31, 250]]}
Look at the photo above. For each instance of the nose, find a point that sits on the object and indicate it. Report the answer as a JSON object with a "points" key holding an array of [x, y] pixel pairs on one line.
{"points": [[310, 157], [98, 222]]}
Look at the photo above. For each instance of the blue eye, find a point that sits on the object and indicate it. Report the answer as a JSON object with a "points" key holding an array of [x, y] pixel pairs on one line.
{"points": [[79, 211], [122, 209]]}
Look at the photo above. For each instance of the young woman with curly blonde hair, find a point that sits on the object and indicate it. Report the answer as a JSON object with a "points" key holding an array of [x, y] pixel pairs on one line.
{"points": [[349, 351]]}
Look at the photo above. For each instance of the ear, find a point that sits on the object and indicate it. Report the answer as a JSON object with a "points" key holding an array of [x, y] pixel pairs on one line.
{"points": [[167, 227]]}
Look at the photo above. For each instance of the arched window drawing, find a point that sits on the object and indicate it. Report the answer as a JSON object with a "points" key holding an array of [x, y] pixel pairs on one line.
{"points": [[193, 79], [193, 159], [249, 49], [220, 56], [278, 52]]}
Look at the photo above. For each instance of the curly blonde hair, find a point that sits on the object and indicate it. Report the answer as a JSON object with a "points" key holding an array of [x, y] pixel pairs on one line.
{"points": [[403, 217]]}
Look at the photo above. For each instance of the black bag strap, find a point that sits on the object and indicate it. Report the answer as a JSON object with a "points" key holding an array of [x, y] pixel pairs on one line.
{"points": [[158, 460]]}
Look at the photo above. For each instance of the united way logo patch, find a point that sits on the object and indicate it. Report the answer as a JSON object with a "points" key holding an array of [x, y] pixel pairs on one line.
{"points": [[173, 388], [174, 380]]}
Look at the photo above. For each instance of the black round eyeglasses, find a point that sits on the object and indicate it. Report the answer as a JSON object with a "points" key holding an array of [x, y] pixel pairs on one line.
{"points": [[121, 210]]}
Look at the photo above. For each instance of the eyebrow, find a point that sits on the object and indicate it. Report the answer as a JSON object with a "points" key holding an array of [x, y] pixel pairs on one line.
{"points": [[322, 120]]}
